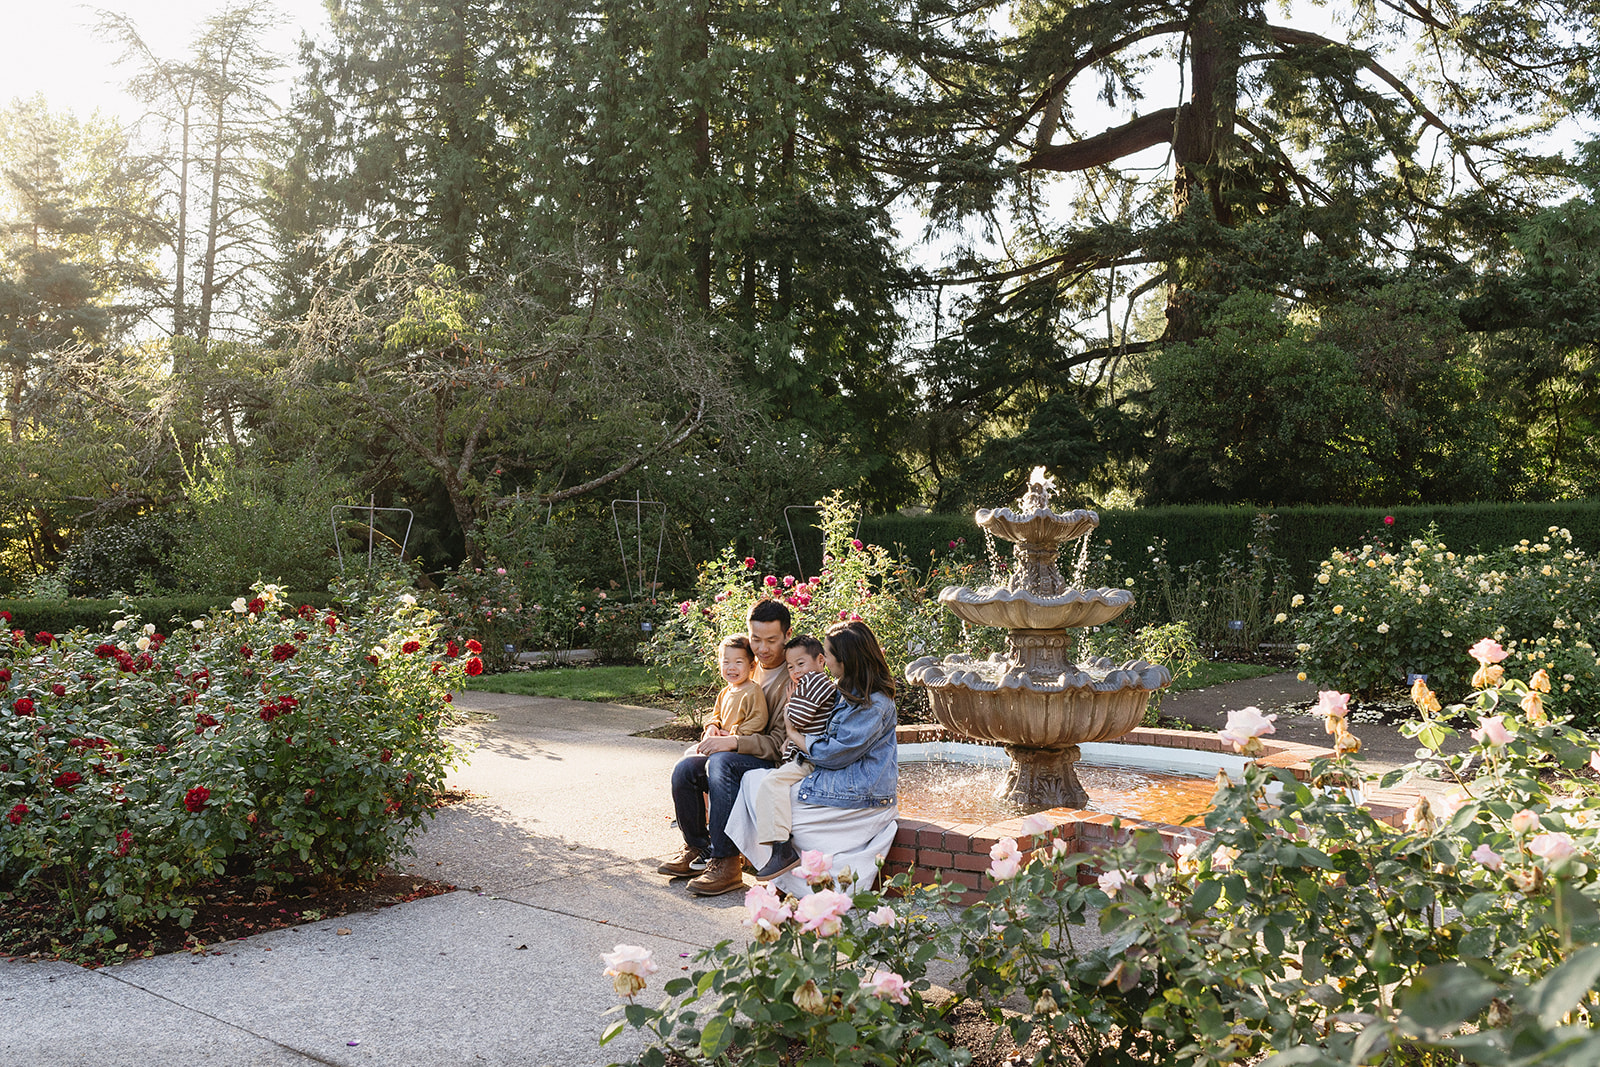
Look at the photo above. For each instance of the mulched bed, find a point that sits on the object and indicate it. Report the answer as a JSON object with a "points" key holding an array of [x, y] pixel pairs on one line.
{"points": [[35, 923]]}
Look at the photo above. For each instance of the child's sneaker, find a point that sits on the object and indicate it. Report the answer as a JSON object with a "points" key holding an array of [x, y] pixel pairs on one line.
{"points": [[688, 862]]}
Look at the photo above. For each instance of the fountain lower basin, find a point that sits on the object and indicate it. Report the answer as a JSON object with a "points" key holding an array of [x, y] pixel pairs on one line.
{"points": [[955, 849]]}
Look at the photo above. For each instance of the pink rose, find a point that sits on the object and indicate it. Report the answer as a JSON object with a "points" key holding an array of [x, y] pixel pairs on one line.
{"points": [[1332, 703], [1111, 882], [1524, 822], [683, 608], [1244, 727], [788, 581], [766, 910], [1005, 860], [1487, 857], [1388, 520], [856, 544], [1487, 651], [1553, 847], [1493, 731], [886, 985], [749, 563], [883, 915], [815, 866], [1451, 803], [820, 913], [771, 581], [628, 966], [1038, 823]]}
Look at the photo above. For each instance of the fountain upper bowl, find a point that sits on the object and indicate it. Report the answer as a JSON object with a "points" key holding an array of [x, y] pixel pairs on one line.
{"points": [[1038, 527], [1019, 609]]}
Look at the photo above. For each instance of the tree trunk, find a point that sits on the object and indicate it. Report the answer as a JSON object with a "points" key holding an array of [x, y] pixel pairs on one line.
{"points": [[181, 245]]}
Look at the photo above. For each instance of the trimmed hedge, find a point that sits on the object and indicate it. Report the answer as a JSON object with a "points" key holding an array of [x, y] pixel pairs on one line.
{"points": [[62, 616], [1303, 537]]}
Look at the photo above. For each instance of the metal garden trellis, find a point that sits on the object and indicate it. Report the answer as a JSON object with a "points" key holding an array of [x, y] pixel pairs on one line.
{"points": [[794, 545], [639, 505], [371, 510]]}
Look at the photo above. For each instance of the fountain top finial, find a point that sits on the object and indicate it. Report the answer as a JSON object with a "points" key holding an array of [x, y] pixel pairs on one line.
{"points": [[1040, 486]]}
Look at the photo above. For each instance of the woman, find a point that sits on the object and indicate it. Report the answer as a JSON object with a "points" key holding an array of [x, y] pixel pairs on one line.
{"points": [[846, 807]]}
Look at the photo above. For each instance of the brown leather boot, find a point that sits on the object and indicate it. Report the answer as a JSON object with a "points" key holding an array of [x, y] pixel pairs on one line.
{"points": [[689, 862], [723, 874]]}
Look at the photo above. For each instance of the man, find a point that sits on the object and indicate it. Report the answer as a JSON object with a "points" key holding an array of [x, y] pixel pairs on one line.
{"points": [[717, 764]]}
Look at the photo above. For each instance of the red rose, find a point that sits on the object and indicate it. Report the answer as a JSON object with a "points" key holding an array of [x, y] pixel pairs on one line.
{"points": [[411, 646], [256, 606], [5, 676], [452, 649], [161, 750], [300, 635], [306, 611], [23, 706], [474, 666], [105, 651], [67, 782], [203, 722], [385, 756], [283, 652], [372, 660], [45, 637], [332, 623], [436, 666], [474, 647], [749, 563], [448, 699], [124, 842], [6, 615], [16, 814], [246, 651], [195, 799], [286, 702], [59, 690]]}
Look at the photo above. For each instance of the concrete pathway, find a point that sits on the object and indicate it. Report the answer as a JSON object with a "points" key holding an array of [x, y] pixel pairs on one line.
{"points": [[560, 861]]}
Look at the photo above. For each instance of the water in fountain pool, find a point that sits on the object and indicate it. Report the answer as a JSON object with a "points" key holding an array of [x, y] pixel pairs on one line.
{"points": [[948, 790]]}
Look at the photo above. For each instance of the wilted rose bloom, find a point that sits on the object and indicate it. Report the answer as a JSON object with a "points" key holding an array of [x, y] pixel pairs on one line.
{"points": [[809, 999], [1111, 882], [195, 799], [1423, 697], [1005, 860], [1244, 727], [1553, 847], [886, 985], [1037, 823], [1524, 822], [1419, 817], [1333, 707], [628, 966], [883, 915], [1487, 675], [1487, 857], [1492, 730], [820, 913], [815, 866], [1532, 705], [1487, 651]]}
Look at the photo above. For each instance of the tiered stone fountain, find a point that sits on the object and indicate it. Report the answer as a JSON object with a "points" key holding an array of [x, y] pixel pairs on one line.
{"points": [[1034, 699]]}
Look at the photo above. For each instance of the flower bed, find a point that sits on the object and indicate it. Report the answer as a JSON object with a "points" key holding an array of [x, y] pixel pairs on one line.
{"points": [[1302, 924], [1379, 614], [136, 764]]}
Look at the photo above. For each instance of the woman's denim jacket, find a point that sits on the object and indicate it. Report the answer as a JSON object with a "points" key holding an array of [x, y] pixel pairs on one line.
{"points": [[855, 760]]}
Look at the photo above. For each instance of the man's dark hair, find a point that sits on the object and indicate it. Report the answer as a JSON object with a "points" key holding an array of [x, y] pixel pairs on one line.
{"points": [[812, 646], [770, 611]]}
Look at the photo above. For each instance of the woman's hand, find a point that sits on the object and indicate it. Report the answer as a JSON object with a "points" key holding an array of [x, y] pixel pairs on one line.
{"points": [[796, 738]]}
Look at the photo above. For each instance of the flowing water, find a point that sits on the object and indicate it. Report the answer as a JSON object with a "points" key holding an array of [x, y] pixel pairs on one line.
{"points": [[965, 792]]}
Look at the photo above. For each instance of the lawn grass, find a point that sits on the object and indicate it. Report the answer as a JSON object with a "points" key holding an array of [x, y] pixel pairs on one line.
{"points": [[626, 684], [1213, 672], [604, 684]]}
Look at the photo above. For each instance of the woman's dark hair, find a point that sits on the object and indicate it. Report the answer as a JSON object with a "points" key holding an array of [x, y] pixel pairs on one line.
{"points": [[863, 670], [770, 610]]}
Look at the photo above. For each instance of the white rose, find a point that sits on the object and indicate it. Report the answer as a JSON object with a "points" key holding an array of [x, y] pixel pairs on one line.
{"points": [[408, 600], [1281, 617], [199, 624], [239, 605], [1383, 627], [143, 644], [120, 624], [1322, 579]]}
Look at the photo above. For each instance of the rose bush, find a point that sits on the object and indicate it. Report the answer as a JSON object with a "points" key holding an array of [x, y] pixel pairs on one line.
{"points": [[264, 739], [1377, 614], [1296, 924]]}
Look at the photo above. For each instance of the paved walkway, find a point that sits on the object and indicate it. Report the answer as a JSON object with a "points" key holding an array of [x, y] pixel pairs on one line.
{"points": [[561, 859]]}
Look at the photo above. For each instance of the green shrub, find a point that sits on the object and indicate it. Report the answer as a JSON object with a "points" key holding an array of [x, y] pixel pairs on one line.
{"points": [[1384, 611], [60, 616], [139, 761]]}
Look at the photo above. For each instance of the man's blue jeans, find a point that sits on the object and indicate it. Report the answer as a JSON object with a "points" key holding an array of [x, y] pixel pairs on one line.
{"points": [[717, 775]]}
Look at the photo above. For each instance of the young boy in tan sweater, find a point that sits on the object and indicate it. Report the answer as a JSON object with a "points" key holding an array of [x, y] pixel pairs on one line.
{"points": [[741, 708]]}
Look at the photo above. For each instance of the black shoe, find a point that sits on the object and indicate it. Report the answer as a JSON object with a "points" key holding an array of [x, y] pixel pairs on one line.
{"points": [[784, 858]]}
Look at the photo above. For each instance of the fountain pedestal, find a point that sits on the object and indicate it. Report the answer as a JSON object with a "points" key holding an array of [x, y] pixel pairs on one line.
{"points": [[1035, 700], [1043, 776]]}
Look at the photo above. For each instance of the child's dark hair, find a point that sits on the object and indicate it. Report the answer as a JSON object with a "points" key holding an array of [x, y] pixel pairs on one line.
{"points": [[812, 646], [741, 642], [863, 669]]}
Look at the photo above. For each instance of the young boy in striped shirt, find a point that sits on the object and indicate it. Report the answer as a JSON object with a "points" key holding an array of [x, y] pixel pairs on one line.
{"points": [[812, 696]]}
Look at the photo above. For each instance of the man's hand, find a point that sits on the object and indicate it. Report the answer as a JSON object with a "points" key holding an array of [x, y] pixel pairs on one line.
{"points": [[722, 743]]}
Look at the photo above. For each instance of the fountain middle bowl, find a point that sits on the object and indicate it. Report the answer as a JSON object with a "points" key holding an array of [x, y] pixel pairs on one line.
{"points": [[1020, 609]]}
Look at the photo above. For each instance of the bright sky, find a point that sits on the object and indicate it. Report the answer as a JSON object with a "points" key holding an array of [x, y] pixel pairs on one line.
{"points": [[52, 48]]}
